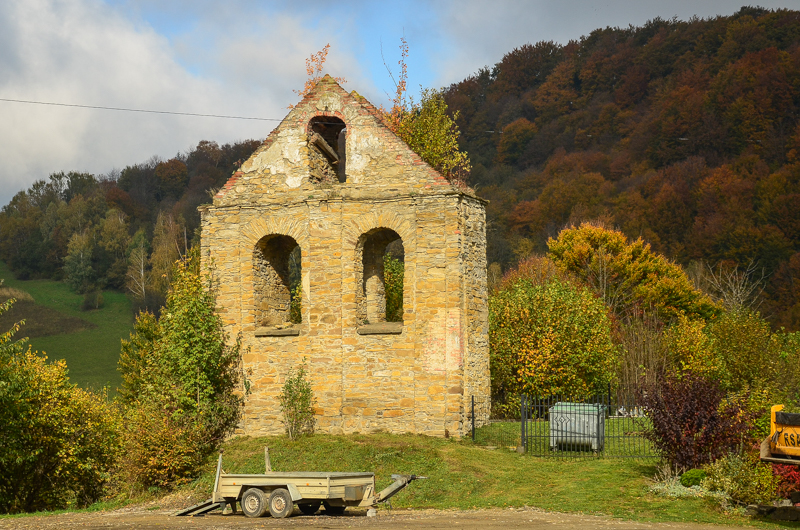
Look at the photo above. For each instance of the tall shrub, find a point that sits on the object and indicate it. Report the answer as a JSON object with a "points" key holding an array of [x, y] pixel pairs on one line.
{"points": [[787, 376], [548, 337], [180, 375], [297, 403], [747, 349], [692, 349], [691, 422], [57, 441]]}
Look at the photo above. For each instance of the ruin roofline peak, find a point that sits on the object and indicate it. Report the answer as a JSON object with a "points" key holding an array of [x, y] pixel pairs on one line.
{"points": [[326, 83], [333, 139]]}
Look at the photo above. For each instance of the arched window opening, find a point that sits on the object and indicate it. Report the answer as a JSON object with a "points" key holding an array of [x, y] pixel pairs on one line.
{"points": [[327, 149], [380, 297], [277, 282]]}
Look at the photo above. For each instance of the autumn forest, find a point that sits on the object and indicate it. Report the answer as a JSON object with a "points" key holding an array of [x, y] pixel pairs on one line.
{"points": [[683, 133]]}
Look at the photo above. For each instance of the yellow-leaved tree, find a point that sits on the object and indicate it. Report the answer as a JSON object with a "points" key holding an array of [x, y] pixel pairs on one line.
{"points": [[58, 442], [427, 127], [628, 274]]}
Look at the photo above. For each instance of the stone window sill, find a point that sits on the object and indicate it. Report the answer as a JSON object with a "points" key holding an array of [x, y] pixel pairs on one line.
{"points": [[381, 328], [275, 332]]}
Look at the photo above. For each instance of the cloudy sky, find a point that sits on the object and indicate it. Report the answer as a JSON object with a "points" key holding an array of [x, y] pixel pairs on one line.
{"points": [[244, 58]]}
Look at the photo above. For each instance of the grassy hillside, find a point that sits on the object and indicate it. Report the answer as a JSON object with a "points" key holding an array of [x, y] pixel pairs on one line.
{"points": [[88, 340]]}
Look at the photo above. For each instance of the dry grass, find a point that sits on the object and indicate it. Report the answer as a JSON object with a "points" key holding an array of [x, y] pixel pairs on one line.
{"points": [[41, 321], [17, 294]]}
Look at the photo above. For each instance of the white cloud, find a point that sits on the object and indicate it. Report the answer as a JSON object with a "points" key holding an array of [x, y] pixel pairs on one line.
{"points": [[82, 52], [87, 52], [480, 33], [241, 57]]}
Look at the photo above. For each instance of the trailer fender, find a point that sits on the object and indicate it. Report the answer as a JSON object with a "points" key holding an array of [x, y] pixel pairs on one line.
{"points": [[369, 497], [294, 492]]}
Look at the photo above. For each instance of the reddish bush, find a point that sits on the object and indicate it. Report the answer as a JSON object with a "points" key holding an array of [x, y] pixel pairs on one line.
{"points": [[788, 479], [691, 425]]}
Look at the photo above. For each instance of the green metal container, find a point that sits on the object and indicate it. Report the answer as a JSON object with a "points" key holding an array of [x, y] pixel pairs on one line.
{"points": [[577, 426]]}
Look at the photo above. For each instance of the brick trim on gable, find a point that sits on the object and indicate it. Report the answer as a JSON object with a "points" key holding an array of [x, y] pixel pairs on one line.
{"points": [[366, 108], [334, 114], [231, 182]]}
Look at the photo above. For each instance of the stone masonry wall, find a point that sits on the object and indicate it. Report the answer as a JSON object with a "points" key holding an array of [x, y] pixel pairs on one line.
{"points": [[415, 376]]}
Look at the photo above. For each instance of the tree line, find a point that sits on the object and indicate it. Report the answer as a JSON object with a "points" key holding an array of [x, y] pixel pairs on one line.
{"points": [[122, 230], [600, 314], [685, 133]]}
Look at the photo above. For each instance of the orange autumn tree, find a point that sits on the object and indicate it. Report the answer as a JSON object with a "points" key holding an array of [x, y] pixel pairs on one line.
{"points": [[315, 64]]}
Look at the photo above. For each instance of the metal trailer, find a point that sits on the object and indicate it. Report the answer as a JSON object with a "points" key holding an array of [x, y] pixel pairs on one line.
{"points": [[278, 492], [782, 446]]}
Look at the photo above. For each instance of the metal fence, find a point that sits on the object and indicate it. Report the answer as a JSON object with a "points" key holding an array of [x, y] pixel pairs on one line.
{"points": [[609, 425]]}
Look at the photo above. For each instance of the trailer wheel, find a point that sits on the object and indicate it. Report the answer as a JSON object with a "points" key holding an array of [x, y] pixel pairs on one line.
{"points": [[253, 503], [334, 510], [309, 508], [280, 503]]}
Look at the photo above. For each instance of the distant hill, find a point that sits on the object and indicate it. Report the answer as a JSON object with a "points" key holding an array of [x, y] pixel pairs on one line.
{"points": [[685, 133], [120, 231]]}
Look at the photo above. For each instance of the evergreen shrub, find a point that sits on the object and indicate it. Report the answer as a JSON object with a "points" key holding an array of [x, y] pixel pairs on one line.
{"points": [[744, 478], [693, 477]]}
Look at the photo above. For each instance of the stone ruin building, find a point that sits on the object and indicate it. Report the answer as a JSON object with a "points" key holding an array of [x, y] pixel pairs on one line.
{"points": [[299, 237]]}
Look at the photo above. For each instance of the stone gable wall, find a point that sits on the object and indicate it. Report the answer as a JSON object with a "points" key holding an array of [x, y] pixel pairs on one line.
{"points": [[415, 377]]}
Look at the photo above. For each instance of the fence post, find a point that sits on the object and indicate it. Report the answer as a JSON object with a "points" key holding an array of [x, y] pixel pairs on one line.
{"points": [[473, 417], [522, 406]]}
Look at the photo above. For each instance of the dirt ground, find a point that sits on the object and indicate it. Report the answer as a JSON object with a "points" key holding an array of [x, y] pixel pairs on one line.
{"points": [[498, 519]]}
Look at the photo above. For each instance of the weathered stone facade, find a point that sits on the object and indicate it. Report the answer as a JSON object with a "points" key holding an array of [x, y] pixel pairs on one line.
{"points": [[332, 180]]}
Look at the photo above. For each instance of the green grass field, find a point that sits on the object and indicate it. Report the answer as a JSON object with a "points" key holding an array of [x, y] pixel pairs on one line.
{"points": [[88, 340], [464, 475]]}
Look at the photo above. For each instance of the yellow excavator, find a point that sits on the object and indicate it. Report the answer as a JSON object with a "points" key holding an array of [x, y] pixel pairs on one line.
{"points": [[782, 446]]}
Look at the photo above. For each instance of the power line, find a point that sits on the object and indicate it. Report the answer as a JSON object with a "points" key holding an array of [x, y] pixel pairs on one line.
{"points": [[52, 104]]}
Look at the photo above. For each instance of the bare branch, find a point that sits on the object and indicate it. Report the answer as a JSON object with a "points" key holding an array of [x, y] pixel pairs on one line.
{"points": [[737, 288]]}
